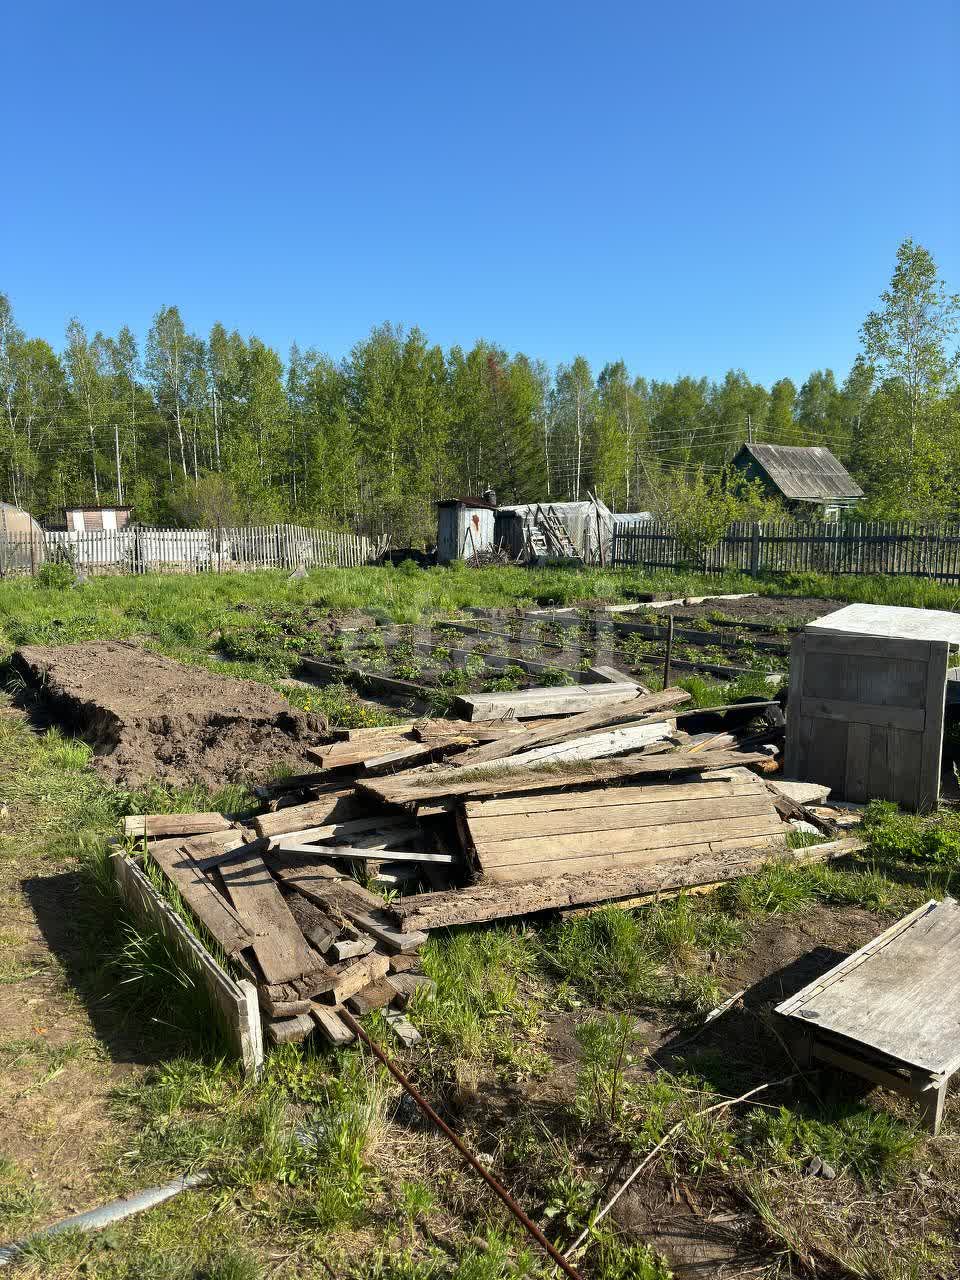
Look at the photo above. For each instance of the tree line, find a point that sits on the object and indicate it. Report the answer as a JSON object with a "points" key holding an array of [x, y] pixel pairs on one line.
{"points": [[189, 429]]}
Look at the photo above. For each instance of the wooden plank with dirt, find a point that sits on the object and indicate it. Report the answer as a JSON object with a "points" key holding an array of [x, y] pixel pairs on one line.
{"points": [[280, 948], [496, 901]]}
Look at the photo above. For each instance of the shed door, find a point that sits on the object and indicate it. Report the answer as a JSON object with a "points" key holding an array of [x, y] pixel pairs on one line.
{"points": [[865, 716]]}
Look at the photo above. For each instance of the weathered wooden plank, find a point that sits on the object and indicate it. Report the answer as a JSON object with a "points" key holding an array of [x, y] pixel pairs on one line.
{"points": [[173, 824], [486, 830], [290, 1030], [315, 925], [313, 878], [575, 726], [378, 854], [552, 701], [612, 797], [235, 1001], [898, 994], [332, 1028], [281, 949], [495, 901], [428, 788], [389, 826], [335, 806], [614, 847], [911, 719], [358, 974], [594, 746], [202, 897], [378, 995]]}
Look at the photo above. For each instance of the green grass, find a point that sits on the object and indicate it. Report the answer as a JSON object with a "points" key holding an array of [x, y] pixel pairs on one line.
{"points": [[308, 1161]]}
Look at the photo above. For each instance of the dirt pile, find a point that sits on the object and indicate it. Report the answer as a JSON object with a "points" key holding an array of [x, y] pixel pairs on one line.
{"points": [[151, 717]]}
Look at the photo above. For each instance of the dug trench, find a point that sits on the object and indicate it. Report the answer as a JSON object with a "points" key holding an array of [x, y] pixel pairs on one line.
{"points": [[150, 718]]}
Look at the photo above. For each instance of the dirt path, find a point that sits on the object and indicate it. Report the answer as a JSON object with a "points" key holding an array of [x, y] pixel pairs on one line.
{"points": [[61, 1056]]}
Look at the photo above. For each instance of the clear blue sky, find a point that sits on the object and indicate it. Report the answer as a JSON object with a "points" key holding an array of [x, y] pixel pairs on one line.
{"points": [[689, 187]]}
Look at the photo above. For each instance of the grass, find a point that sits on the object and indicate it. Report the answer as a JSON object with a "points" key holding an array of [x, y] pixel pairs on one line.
{"points": [[314, 1160]]}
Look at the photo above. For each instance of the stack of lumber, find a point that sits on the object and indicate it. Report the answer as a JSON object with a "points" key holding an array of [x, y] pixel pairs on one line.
{"points": [[311, 938], [464, 821]]}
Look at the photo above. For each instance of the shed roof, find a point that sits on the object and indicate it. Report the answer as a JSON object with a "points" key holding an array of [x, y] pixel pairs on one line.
{"points": [[803, 473], [482, 503]]}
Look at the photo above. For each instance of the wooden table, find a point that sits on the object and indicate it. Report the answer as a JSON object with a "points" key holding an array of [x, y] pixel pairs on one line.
{"points": [[889, 1013]]}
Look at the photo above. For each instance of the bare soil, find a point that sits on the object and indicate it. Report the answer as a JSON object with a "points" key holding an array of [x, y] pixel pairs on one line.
{"points": [[794, 611], [149, 717]]}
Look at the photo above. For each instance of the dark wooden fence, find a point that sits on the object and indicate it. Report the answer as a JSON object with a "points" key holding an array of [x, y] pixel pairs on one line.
{"points": [[278, 546], [895, 548]]}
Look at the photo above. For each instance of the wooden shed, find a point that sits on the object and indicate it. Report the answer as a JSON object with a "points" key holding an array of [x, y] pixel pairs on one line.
{"points": [[867, 702], [807, 480], [95, 519], [464, 527]]}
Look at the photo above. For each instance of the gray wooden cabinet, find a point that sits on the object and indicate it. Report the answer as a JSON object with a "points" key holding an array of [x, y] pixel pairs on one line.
{"points": [[866, 703]]}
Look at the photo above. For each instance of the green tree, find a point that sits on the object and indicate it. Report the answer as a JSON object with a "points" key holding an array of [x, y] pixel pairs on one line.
{"points": [[908, 341], [89, 389], [167, 369]]}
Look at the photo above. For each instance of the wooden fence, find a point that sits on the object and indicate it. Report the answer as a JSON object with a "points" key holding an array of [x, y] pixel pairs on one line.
{"points": [[894, 548], [278, 546]]}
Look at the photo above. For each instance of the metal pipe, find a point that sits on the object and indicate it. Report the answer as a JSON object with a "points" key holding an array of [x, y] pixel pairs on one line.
{"points": [[116, 1210], [527, 1223]]}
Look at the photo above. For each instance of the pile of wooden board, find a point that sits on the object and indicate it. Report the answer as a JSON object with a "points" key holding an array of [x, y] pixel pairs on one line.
{"points": [[623, 799]]}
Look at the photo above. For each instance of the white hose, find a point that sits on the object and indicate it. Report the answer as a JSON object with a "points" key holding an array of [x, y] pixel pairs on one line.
{"points": [[116, 1210]]}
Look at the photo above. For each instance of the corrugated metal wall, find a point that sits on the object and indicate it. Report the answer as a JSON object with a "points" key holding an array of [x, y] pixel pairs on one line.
{"points": [[463, 530]]}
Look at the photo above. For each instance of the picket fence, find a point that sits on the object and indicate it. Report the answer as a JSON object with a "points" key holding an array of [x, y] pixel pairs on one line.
{"points": [[895, 548], [222, 550]]}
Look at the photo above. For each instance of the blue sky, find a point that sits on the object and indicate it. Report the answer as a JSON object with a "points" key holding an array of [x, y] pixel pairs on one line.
{"points": [[690, 187]]}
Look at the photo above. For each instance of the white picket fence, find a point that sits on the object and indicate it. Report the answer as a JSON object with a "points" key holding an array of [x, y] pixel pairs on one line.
{"points": [[278, 546]]}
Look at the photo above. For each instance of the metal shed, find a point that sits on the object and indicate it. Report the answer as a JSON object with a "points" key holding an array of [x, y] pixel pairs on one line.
{"points": [[867, 702], [464, 527]]}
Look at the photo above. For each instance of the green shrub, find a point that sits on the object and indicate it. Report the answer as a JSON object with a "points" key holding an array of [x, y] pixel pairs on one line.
{"points": [[55, 575]]}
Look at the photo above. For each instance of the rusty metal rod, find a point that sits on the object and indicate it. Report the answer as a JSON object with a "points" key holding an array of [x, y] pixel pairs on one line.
{"points": [[527, 1223]]}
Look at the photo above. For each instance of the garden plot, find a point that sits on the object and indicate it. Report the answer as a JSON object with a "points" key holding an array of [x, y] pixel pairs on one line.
{"points": [[495, 651]]}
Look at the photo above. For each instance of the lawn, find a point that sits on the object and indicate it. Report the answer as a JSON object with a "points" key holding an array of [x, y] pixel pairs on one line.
{"points": [[564, 1052]]}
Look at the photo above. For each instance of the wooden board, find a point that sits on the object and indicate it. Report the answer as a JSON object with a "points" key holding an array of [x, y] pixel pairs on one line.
{"points": [[281, 949], [497, 901], [234, 1001], [202, 897], [584, 836], [552, 701], [174, 824], [314, 879], [333, 1029], [898, 995], [865, 715], [447, 786], [336, 806]]}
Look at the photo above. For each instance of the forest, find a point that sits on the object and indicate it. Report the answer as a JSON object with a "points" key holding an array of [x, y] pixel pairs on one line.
{"points": [[189, 429]]}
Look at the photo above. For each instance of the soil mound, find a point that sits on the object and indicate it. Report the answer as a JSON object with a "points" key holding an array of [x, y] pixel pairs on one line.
{"points": [[149, 717]]}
